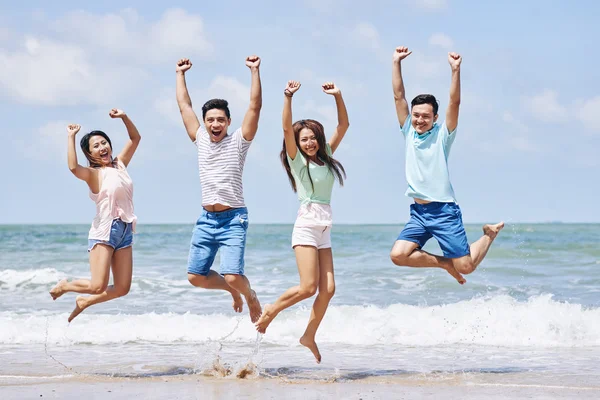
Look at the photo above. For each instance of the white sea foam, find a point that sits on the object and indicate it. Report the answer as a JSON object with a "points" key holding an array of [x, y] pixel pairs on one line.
{"points": [[11, 279], [495, 321]]}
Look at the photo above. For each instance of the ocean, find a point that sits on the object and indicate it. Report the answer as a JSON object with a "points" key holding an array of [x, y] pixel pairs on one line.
{"points": [[529, 315]]}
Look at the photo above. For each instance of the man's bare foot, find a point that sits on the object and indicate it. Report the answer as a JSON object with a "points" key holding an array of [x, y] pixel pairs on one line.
{"points": [[58, 290], [312, 346], [452, 271], [238, 303], [265, 319], [253, 306], [79, 307], [492, 230]]}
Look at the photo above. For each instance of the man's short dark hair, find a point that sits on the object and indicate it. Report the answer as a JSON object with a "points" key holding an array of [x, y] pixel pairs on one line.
{"points": [[426, 99], [219, 104]]}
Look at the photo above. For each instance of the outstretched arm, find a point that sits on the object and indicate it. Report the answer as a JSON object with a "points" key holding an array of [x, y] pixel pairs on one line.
{"points": [[190, 120], [452, 112], [79, 171], [286, 119], [398, 84], [134, 136], [342, 113], [250, 123]]}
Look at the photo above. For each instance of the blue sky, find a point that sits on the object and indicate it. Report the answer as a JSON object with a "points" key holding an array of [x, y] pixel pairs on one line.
{"points": [[528, 142]]}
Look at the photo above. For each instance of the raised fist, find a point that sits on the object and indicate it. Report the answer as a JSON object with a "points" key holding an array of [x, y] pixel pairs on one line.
{"points": [[72, 129], [252, 61], [183, 65], [401, 53], [330, 88], [292, 87], [116, 113], [454, 59]]}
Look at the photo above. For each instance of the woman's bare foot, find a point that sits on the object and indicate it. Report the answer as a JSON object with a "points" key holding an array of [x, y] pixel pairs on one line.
{"points": [[452, 271], [265, 319], [254, 306], [238, 303], [312, 346], [493, 230], [58, 290], [80, 305]]}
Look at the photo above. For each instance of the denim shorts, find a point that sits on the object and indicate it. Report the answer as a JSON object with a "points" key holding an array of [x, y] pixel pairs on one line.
{"points": [[121, 236], [442, 221], [214, 231]]}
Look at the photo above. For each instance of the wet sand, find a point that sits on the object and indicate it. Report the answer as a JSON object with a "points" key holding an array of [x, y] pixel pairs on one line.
{"points": [[200, 387]]}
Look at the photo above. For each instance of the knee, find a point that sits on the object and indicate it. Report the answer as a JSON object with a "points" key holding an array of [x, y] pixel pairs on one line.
{"points": [[231, 279], [399, 256], [197, 280], [329, 291], [307, 291], [465, 267], [97, 288], [122, 290]]}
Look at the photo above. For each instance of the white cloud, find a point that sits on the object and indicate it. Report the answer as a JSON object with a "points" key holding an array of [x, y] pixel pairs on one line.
{"points": [[48, 143], [46, 72], [322, 5], [430, 5], [441, 40], [367, 36], [587, 112], [522, 143], [177, 34], [545, 106]]}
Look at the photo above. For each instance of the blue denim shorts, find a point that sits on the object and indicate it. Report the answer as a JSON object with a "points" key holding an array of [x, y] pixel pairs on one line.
{"points": [[121, 236], [442, 221], [214, 231]]}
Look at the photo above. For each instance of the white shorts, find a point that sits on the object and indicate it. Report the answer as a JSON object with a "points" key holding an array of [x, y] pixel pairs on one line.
{"points": [[316, 236]]}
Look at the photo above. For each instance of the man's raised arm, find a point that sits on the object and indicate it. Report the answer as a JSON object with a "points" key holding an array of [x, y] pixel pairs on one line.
{"points": [[398, 84], [250, 123], [190, 120], [452, 112]]}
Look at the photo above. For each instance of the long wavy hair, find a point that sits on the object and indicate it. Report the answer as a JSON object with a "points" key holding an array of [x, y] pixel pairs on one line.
{"points": [[336, 168], [85, 147]]}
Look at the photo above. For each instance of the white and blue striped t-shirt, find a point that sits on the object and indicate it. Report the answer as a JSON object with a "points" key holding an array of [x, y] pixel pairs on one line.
{"points": [[221, 165]]}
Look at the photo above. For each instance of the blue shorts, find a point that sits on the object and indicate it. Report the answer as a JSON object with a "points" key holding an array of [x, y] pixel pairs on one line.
{"points": [[121, 236], [225, 230], [443, 221]]}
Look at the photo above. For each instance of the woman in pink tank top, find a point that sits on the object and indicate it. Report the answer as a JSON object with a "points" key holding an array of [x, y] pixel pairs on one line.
{"points": [[111, 234]]}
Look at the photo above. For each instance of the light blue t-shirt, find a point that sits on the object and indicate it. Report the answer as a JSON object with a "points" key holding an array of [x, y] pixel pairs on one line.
{"points": [[427, 162]]}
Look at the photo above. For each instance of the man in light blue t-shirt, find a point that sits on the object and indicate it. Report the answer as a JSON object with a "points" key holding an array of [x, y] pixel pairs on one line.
{"points": [[434, 212]]}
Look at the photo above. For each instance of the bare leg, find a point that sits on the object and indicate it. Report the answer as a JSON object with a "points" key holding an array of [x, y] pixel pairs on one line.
{"points": [[241, 284], [122, 269], [326, 292], [479, 249], [307, 259], [100, 257], [215, 281], [405, 253]]}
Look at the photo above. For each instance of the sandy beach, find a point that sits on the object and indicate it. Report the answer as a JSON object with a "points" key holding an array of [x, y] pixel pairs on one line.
{"points": [[195, 387]]}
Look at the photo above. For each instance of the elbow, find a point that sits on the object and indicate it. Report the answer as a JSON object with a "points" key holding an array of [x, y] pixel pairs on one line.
{"points": [[344, 125], [72, 168], [256, 105]]}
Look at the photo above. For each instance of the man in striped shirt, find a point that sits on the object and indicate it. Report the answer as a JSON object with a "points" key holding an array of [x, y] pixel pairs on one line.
{"points": [[224, 220]]}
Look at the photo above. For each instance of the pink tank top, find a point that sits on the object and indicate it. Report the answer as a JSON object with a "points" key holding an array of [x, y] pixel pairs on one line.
{"points": [[113, 201]]}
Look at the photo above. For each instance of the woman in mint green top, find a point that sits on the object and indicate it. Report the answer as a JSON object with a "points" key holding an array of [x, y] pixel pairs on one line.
{"points": [[312, 171]]}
